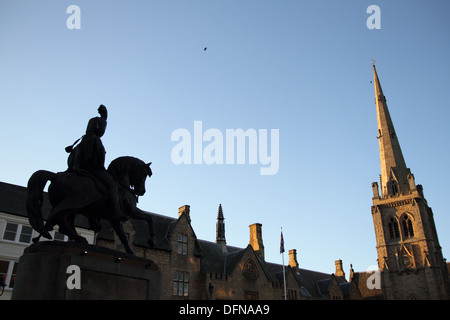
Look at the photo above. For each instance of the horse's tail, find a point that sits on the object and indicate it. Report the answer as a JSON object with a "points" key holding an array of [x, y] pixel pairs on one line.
{"points": [[35, 200]]}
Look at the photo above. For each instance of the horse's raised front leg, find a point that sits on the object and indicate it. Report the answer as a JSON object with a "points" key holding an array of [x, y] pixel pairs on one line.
{"points": [[138, 214], [118, 228]]}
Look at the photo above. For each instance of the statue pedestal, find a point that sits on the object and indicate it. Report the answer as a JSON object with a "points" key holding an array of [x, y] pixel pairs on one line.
{"points": [[68, 270]]}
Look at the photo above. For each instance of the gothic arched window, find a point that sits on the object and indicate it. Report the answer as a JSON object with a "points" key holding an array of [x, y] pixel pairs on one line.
{"points": [[250, 271], [394, 231], [408, 231]]}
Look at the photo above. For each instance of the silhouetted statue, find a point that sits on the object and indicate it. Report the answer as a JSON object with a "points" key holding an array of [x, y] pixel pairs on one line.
{"points": [[88, 158], [88, 188]]}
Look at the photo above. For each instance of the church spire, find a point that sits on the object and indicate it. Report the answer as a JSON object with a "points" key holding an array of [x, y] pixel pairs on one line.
{"points": [[395, 176], [220, 230]]}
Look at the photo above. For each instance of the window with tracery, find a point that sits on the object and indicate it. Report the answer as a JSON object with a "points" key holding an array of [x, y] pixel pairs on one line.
{"points": [[394, 231], [250, 271], [408, 231]]}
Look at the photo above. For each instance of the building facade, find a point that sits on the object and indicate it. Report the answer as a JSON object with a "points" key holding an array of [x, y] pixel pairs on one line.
{"points": [[197, 269]]}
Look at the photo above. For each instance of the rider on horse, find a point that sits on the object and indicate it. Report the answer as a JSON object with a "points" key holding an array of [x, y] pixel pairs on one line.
{"points": [[89, 157]]}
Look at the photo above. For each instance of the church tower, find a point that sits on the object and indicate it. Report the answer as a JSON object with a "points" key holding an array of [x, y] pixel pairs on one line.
{"points": [[409, 255]]}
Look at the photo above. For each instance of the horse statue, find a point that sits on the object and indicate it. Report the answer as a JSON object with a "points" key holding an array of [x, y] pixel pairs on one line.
{"points": [[71, 193]]}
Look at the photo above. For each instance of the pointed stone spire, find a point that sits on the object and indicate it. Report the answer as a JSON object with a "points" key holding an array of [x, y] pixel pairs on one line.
{"points": [[220, 230], [395, 176]]}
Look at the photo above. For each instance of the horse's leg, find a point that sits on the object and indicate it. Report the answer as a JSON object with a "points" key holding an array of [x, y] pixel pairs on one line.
{"points": [[138, 214], [47, 227], [118, 227], [151, 239], [64, 219], [151, 230]]}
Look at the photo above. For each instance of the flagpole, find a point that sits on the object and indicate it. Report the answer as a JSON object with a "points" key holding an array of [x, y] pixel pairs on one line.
{"points": [[282, 258], [284, 279]]}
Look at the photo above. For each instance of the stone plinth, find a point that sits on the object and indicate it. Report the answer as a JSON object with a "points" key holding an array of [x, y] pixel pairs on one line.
{"points": [[103, 274]]}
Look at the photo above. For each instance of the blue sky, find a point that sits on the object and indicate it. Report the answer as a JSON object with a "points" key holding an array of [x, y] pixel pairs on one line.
{"points": [[303, 67]]}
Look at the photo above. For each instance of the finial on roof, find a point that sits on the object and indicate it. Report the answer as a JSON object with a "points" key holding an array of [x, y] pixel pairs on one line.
{"points": [[220, 213]]}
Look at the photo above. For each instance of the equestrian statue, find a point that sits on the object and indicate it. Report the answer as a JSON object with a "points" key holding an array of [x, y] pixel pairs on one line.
{"points": [[87, 188]]}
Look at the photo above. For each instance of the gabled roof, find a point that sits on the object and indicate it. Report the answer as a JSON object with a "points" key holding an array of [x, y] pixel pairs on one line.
{"points": [[232, 259], [216, 261], [325, 284]]}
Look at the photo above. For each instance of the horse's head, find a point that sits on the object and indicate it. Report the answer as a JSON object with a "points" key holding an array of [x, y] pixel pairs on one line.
{"points": [[137, 180], [131, 172]]}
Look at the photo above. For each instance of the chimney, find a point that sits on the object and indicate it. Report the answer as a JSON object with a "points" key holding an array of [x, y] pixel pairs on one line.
{"points": [[293, 258], [256, 240], [184, 210], [339, 271]]}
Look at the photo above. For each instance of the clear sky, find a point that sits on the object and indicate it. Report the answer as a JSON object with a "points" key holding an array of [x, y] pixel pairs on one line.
{"points": [[303, 67]]}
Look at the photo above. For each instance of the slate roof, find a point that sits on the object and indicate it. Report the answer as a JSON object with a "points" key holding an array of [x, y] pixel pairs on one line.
{"points": [[216, 261], [307, 279], [360, 279], [162, 226], [324, 286], [13, 201]]}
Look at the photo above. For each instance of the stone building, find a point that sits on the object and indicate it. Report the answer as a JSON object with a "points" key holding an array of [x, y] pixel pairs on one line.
{"points": [[198, 269], [409, 254]]}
